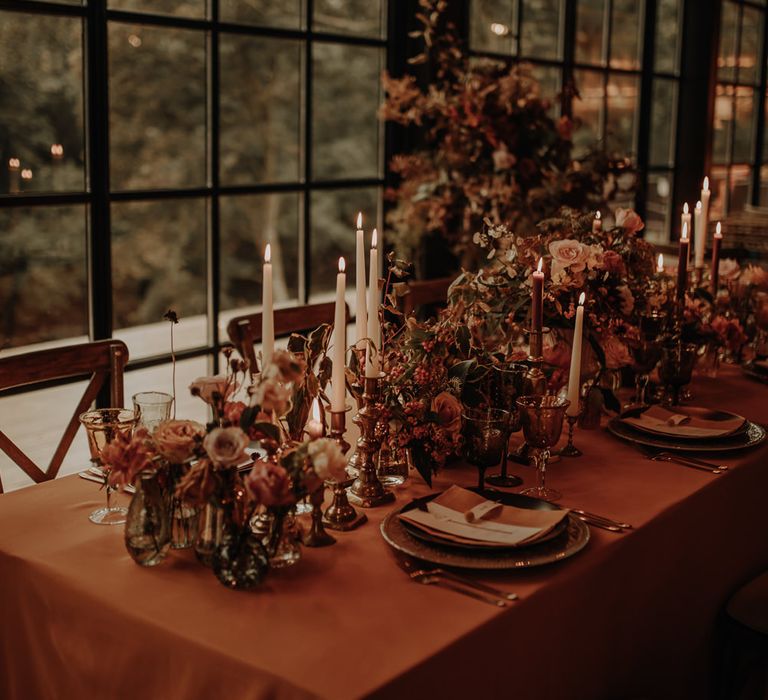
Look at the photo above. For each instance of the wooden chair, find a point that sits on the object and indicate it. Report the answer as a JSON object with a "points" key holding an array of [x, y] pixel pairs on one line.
{"points": [[245, 331], [426, 293], [103, 360]]}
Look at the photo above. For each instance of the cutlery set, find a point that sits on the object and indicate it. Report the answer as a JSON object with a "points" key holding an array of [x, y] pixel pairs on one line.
{"points": [[684, 460]]}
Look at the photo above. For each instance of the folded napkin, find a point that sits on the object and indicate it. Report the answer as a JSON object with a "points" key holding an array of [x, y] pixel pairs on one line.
{"points": [[493, 524], [684, 424]]}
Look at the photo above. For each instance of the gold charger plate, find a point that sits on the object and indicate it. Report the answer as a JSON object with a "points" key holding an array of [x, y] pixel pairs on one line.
{"points": [[573, 540]]}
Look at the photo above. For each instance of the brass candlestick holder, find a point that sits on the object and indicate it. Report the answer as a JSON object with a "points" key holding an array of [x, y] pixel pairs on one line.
{"points": [[536, 379], [316, 536], [367, 491], [340, 515], [570, 450]]}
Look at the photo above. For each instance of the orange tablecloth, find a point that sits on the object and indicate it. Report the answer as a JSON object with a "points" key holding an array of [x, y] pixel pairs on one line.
{"points": [[631, 616]]}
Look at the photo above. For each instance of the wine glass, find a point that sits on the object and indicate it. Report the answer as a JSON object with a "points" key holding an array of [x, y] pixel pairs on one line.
{"points": [[645, 356], [486, 431], [152, 408], [506, 385], [103, 425], [676, 369], [542, 419]]}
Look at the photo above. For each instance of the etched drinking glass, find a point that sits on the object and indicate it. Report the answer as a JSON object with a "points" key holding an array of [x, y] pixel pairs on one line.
{"points": [[486, 431], [542, 419], [676, 369], [507, 383], [152, 408], [103, 425]]}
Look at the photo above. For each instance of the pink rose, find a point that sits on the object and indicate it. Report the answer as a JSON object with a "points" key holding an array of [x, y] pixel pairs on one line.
{"points": [[212, 389], [327, 459], [226, 446], [448, 410], [629, 220], [272, 397], [729, 269], [613, 262], [269, 485], [568, 253], [616, 353], [126, 456], [176, 439]]}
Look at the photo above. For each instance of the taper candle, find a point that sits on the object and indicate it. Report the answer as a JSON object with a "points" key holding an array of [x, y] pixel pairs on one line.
{"points": [[705, 193], [682, 263], [574, 374], [338, 385], [597, 223], [537, 303], [374, 330], [685, 218], [361, 317], [699, 235], [660, 264], [717, 242], [267, 311]]}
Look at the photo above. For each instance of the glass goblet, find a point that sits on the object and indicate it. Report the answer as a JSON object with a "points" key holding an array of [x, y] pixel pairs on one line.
{"points": [[542, 419], [653, 324], [486, 431], [152, 408], [103, 425], [676, 369], [506, 385], [645, 356]]}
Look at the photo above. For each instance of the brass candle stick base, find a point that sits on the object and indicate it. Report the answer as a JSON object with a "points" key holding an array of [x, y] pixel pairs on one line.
{"points": [[535, 379], [367, 491], [570, 450], [340, 515], [356, 460], [316, 536]]}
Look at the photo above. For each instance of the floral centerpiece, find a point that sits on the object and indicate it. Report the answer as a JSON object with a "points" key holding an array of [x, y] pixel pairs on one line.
{"points": [[491, 149]]}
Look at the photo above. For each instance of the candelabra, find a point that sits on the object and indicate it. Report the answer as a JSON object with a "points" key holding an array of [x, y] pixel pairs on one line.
{"points": [[340, 515], [536, 378], [367, 491]]}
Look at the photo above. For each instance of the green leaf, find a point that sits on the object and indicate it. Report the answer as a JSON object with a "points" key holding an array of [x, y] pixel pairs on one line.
{"points": [[423, 463]]}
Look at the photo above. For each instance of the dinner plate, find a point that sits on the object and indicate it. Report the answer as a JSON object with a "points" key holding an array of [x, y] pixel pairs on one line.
{"points": [[507, 499], [571, 541], [756, 373], [709, 414], [752, 435]]}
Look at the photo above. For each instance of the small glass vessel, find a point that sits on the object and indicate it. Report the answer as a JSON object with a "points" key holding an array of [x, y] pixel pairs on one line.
{"points": [[210, 525], [152, 408], [283, 542], [147, 526]]}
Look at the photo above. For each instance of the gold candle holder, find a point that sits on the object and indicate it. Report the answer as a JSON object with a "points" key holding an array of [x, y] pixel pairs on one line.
{"points": [[367, 491], [340, 515], [536, 379], [316, 536]]}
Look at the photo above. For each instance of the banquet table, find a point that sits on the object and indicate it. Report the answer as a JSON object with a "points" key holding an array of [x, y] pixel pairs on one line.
{"points": [[633, 615]]}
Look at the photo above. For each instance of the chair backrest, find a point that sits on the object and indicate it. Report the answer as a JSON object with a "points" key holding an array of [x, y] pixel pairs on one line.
{"points": [[245, 331], [424, 292], [102, 361]]}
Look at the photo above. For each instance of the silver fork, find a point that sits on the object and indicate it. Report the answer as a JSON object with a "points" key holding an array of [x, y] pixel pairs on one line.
{"points": [[410, 567], [684, 461], [696, 460], [429, 578]]}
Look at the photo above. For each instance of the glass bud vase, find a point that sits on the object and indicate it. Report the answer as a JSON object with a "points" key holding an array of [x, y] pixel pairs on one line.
{"points": [[283, 542], [183, 524], [147, 525], [240, 561], [210, 525]]}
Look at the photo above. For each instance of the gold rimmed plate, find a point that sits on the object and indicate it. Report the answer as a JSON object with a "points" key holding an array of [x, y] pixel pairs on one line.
{"points": [[714, 416], [752, 434]]}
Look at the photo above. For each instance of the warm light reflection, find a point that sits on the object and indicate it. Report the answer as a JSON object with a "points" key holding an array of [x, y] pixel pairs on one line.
{"points": [[26, 174], [14, 163], [57, 150], [359, 220], [499, 29], [374, 238], [718, 230], [342, 265], [268, 253]]}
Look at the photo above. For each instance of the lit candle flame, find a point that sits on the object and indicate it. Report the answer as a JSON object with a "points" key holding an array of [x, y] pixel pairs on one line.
{"points": [[374, 238], [342, 265], [359, 220], [660, 263], [316, 410], [268, 253], [706, 184], [685, 208], [718, 230], [26, 174], [14, 163], [698, 207], [57, 149], [582, 298], [597, 215], [540, 265], [685, 231]]}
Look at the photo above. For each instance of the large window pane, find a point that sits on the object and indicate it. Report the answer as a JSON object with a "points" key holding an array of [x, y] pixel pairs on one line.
{"points": [[718, 183], [626, 34], [357, 17], [41, 103], [541, 33], [749, 54], [658, 207], [345, 102], [663, 121], [550, 78], [623, 103], [723, 123], [493, 25], [158, 263], [157, 107], [43, 274], [590, 22], [740, 187], [180, 8], [333, 232], [248, 223], [286, 13], [726, 60], [260, 109], [667, 52], [588, 109], [744, 128]]}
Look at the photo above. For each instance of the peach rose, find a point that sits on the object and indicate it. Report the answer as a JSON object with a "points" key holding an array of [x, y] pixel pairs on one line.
{"points": [[754, 275], [448, 410], [286, 367], [211, 389], [568, 253], [176, 439], [616, 353], [327, 459], [127, 456], [271, 396], [269, 485], [729, 269], [226, 446], [629, 220]]}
